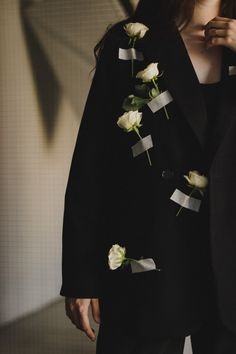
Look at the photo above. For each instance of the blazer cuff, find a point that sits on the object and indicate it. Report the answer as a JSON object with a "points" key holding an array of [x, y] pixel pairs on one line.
{"points": [[86, 287]]}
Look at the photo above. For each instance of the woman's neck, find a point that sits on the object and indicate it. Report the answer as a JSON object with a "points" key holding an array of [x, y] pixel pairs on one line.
{"points": [[209, 3], [205, 10]]}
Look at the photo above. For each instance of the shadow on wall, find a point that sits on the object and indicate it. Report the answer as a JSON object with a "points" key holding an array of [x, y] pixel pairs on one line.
{"points": [[48, 89], [59, 60]]}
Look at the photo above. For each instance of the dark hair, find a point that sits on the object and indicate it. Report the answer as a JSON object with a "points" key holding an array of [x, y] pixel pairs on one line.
{"points": [[169, 11], [165, 12]]}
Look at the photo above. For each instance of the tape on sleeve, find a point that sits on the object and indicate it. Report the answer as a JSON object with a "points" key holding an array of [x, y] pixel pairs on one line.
{"points": [[131, 53], [185, 201], [144, 265], [142, 146], [232, 70], [160, 101]]}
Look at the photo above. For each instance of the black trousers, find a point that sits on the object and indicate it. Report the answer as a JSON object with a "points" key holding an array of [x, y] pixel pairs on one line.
{"points": [[118, 342], [212, 338]]}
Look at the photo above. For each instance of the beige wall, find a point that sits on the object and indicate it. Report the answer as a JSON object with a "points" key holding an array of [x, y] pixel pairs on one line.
{"points": [[36, 148], [33, 175]]}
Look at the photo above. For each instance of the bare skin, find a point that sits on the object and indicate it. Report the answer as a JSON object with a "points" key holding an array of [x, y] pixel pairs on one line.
{"points": [[206, 61], [221, 31], [77, 311], [204, 37]]}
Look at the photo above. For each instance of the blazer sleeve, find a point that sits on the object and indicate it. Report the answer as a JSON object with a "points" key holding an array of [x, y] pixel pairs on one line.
{"points": [[83, 204]]}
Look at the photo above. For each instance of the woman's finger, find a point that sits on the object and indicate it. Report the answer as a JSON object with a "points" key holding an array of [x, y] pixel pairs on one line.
{"points": [[220, 18], [86, 327], [225, 23], [82, 307], [217, 33], [71, 311], [224, 41], [95, 310], [69, 306], [75, 319], [221, 33], [216, 25]]}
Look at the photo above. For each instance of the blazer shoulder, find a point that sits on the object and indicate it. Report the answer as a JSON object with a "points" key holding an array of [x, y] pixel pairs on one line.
{"points": [[117, 27], [109, 44], [116, 31]]}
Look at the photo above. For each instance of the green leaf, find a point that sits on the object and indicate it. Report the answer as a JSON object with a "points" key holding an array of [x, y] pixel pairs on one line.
{"points": [[154, 93], [134, 103], [128, 106], [142, 90], [139, 100]]}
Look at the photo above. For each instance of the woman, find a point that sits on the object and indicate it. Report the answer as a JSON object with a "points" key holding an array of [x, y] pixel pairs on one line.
{"points": [[168, 199]]}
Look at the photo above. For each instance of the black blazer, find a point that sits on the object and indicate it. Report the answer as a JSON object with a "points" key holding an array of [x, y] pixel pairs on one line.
{"points": [[112, 197]]}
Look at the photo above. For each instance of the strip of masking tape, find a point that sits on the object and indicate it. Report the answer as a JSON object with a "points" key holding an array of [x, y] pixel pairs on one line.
{"points": [[160, 101], [142, 146], [232, 70], [143, 265], [131, 53], [185, 201]]}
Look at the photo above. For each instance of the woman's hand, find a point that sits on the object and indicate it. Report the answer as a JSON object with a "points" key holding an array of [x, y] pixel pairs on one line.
{"points": [[77, 311], [221, 31]]}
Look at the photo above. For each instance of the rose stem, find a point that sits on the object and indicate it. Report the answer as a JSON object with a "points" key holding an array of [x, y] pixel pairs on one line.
{"points": [[193, 190], [137, 131], [132, 60], [130, 259], [158, 91]]}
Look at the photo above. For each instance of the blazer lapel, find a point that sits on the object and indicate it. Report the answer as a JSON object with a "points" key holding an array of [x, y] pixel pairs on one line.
{"points": [[179, 76], [227, 102]]}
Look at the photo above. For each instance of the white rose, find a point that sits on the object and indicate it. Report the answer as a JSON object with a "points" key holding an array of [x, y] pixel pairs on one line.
{"points": [[148, 74], [129, 120], [116, 256], [136, 29], [196, 180]]}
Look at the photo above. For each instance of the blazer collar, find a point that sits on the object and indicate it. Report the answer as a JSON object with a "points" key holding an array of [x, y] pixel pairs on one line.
{"points": [[179, 75]]}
